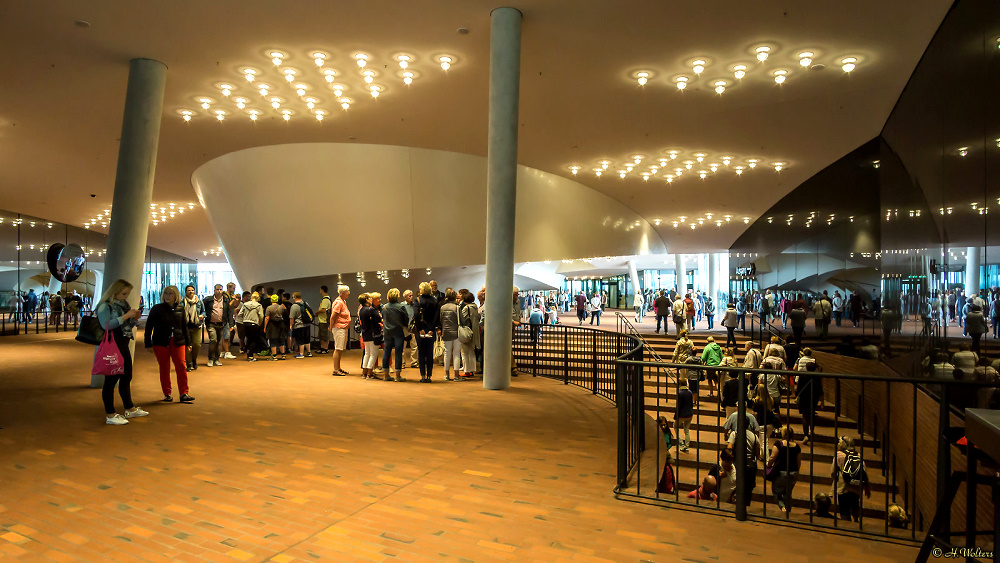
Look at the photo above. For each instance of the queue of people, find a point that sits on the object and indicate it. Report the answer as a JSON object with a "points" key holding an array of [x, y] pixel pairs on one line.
{"points": [[407, 331]]}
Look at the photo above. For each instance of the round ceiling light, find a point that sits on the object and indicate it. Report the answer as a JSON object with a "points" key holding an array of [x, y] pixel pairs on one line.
{"points": [[806, 58], [762, 52], [681, 82], [739, 71], [848, 63]]}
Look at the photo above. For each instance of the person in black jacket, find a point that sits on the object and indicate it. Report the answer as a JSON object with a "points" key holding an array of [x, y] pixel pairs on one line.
{"points": [[425, 327], [370, 318], [167, 337]]}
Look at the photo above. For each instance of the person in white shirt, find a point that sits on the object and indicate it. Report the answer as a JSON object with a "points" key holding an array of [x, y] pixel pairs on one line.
{"points": [[595, 308], [638, 303]]}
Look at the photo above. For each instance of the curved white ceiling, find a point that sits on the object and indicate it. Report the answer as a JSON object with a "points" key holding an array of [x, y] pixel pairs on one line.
{"points": [[580, 102], [301, 210]]}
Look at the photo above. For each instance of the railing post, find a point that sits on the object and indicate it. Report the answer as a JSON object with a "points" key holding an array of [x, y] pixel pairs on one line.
{"points": [[621, 403], [536, 333], [944, 456], [593, 374], [565, 331], [741, 449]]}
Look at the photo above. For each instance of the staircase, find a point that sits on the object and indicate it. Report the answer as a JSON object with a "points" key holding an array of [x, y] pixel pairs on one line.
{"points": [[707, 440]]}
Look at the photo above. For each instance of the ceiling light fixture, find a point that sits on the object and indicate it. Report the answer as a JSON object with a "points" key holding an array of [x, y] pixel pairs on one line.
{"points": [[240, 102], [779, 76], [720, 86], [362, 59], [848, 63], [277, 57], [739, 170], [276, 102], [289, 74], [329, 74], [806, 58], [762, 53], [404, 61], [345, 103], [445, 62], [670, 178], [220, 114], [407, 78], [739, 71], [310, 102], [319, 58], [642, 77], [338, 90], [253, 114], [300, 89], [286, 114], [698, 66], [205, 102], [778, 166], [598, 171], [699, 156], [604, 164], [574, 169], [263, 88], [186, 114], [963, 151], [319, 114], [227, 89], [250, 74], [369, 76], [681, 82], [726, 160], [714, 166], [702, 174], [375, 90], [752, 162]]}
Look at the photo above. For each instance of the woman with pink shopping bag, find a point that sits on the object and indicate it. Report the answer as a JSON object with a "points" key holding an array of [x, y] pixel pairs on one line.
{"points": [[113, 359]]}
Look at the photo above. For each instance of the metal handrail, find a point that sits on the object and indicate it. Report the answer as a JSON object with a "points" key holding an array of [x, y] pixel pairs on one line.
{"points": [[633, 332]]}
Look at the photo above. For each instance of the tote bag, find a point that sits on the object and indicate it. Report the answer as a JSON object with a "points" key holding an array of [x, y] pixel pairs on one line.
{"points": [[439, 351], [108, 360]]}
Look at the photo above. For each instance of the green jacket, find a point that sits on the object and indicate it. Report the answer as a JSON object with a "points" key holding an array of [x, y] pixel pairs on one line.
{"points": [[712, 356]]}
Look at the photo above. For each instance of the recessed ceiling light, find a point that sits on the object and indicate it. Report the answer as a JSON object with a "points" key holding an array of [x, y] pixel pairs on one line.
{"points": [[407, 77], [329, 74], [300, 89], [642, 77], [263, 88], [779, 76], [240, 102], [375, 90], [848, 63], [720, 86], [681, 82], [698, 66], [404, 61], [369, 76], [250, 74], [739, 71], [762, 52], [227, 89], [289, 74], [319, 114], [338, 90], [445, 62], [806, 58], [362, 59], [277, 57], [319, 58]]}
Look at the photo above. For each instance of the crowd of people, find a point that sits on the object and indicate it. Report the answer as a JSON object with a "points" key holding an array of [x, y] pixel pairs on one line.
{"points": [[407, 331], [61, 307], [770, 438]]}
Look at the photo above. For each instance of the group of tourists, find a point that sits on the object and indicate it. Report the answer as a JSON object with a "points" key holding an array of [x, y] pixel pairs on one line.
{"points": [[60, 307], [406, 330]]}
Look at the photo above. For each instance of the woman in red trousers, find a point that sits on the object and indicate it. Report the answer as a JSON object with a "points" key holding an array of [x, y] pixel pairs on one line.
{"points": [[167, 337]]}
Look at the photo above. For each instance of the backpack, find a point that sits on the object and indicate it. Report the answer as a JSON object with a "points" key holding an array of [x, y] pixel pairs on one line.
{"points": [[853, 471], [307, 313]]}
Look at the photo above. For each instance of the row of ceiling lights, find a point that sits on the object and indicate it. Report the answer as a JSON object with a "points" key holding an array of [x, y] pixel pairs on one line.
{"points": [[651, 170], [301, 88], [699, 221], [159, 213], [761, 53], [789, 219], [19, 222], [383, 275], [217, 251]]}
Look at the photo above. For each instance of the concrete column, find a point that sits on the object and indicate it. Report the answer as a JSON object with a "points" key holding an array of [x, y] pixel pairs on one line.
{"points": [[713, 282], [126, 243], [633, 274], [501, 193], [681, 274], [972, 271]]}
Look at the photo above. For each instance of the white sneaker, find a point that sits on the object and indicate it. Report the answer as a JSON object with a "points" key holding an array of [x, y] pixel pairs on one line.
{"points": [[138, 412], [229, 356], [117, 420], [218, 363], [210, 363]]}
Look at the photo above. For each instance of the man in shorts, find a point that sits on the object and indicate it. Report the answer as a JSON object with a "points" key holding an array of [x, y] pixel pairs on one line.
{"points": [[299, 327], [322, 315], [340, 322]]}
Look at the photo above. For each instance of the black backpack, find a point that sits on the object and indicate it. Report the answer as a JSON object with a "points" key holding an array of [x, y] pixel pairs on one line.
{"points": [[853, 471], [307, 313]]}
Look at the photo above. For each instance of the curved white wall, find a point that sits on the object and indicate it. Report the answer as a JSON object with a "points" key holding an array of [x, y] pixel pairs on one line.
{"points": [[380, 207]]}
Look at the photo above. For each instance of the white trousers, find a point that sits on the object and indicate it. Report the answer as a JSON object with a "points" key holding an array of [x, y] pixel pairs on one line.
{"points": [[452, 351], [371, 355]]}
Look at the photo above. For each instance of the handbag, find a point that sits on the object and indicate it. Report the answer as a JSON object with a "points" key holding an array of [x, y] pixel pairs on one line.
{"points": [[771, 473], [439, 351], [108, 360], [90, 331]]}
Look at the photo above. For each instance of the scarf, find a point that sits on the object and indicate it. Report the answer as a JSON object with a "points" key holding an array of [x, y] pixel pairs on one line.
{"points": [[191, 310]]}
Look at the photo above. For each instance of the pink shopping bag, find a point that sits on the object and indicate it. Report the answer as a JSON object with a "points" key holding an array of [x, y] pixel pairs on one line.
{"points": [[108, 360]]}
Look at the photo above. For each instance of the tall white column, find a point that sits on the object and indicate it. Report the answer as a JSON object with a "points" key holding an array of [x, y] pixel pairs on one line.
{"points": [[126, 243], [633, 274], [972, 263], [713, 281], [681, 274], [501, 193]]}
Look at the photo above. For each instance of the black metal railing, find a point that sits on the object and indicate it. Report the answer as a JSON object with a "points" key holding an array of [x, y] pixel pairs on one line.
{"points": [[866, 408], [39, 322], [587, 358]]}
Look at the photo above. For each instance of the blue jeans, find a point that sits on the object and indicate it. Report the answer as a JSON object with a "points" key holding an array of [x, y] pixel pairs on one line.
{"points": [[711, 321], [596, 315], [396, 343]]}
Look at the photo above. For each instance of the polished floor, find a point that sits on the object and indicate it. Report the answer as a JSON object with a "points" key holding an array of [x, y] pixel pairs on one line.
{"points": [[279, 461]]}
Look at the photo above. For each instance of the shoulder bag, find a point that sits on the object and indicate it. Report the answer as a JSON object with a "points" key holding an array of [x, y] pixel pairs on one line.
{"points": [[464, 332], [90, 331], [108, 360]]}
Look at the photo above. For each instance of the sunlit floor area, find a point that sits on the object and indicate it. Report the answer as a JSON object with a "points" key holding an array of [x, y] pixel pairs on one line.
{"points": [[280, 461]]}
